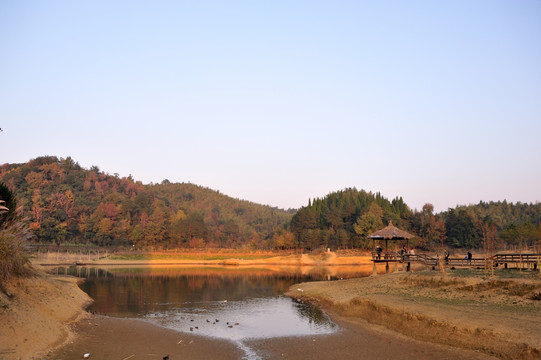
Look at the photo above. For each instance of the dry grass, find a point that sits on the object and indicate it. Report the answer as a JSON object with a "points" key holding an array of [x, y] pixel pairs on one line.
{"points": [[431, 282], [504, 287], [536, 295], [484, 286], [14, 258], [425, 328], [520, 289], [428, 307]]}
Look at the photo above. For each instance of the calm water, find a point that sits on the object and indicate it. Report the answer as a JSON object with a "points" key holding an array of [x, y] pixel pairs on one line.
{"points": [[233, 303]]}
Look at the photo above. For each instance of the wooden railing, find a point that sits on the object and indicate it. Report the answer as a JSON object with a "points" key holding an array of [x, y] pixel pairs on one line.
{"points": [[393, 256], [515, 259]]}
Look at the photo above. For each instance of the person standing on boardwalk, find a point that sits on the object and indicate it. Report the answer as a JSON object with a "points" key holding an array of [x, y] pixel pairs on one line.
{"points": [[469, 257], [403, 251], [378, 251]]}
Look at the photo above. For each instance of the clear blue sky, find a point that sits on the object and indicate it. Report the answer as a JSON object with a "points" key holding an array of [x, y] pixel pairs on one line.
{"points": [[277, 102]]}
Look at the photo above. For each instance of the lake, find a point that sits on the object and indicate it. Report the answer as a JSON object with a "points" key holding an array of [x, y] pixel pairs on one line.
{"points": [[235, 303]]}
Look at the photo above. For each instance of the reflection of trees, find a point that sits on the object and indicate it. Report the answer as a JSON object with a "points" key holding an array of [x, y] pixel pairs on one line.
{"points": [[145, 290], [313, 314]]}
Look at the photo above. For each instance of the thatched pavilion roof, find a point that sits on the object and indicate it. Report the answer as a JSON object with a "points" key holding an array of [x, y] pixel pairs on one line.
{"points": [[391, 232]]}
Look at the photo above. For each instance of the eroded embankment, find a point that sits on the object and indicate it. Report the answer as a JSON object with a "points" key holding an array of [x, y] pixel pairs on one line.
{"points": [[36, 314], [426, 319]]}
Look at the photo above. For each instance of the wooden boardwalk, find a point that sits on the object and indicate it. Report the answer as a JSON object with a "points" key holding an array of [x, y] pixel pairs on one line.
{"points": [[529, 261]]}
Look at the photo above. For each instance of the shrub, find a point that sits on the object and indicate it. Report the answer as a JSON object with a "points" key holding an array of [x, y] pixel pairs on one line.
{"points": [[14, 234], [13, 253], [536, 295]]}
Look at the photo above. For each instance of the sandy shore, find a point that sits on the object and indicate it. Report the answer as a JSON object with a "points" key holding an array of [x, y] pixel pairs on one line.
{"points": [[393, 316], [36, 314], [115, 338]]}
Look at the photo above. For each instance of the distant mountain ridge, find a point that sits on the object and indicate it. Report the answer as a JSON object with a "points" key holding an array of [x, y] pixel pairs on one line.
{"points": [[66, 203]]}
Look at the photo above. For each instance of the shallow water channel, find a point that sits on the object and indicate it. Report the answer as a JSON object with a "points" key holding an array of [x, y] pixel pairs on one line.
{"points": [[232, 303]]}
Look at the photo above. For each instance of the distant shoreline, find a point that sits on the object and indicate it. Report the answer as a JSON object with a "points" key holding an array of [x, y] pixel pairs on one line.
{"points": [[324, 259]]}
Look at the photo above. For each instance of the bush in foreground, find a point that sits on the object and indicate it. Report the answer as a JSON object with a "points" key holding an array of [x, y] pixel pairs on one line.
{"points": [[14, 234]]}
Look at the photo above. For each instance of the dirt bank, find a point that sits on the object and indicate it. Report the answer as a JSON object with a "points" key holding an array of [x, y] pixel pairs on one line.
{"points": [[496, 317], [36, 315], [44, 317]]}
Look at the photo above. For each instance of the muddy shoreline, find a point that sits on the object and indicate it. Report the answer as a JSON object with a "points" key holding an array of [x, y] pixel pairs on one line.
{"points": [[115, 338]]}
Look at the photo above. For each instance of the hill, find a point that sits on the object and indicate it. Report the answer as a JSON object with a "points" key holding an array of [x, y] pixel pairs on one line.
{"points": [[66, 203], [343, 219], [508, 225]]}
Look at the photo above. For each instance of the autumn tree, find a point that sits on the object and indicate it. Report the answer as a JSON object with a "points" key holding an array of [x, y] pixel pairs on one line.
{"points": [[370, 221], [283, 239], [156, 227], [488, 231], [430, 229]]}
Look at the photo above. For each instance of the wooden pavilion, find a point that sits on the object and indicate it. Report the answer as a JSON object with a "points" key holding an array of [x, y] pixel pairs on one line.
{"points": [[396, 236]]}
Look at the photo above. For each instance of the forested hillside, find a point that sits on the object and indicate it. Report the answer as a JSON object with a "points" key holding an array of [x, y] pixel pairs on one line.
{"points": [[66, 203], [345, 218], [510, 225]]}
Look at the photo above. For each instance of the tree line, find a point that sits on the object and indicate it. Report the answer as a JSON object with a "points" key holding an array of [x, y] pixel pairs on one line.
{"points": [[508, 225], [65, 203], [345, 219]]}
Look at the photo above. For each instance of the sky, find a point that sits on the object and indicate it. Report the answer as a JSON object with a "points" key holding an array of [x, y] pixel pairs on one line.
{"points": [[277, 102]]}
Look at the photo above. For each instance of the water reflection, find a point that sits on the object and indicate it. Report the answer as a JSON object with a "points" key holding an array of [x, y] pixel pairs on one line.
{"points": [[235, 303], [247, 319]]}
